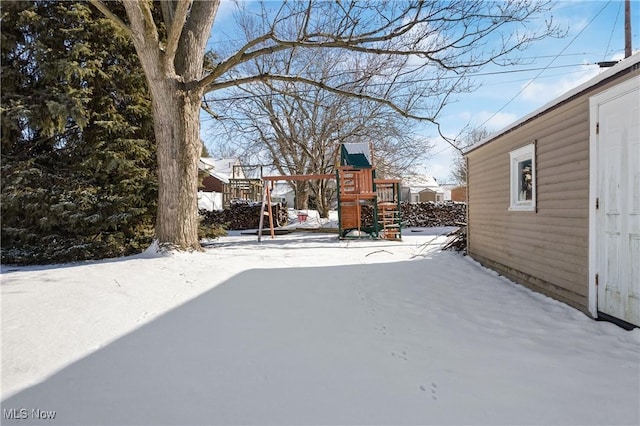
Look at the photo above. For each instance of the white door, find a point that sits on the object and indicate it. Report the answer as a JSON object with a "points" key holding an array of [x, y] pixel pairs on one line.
{"points": [[617, 233]]}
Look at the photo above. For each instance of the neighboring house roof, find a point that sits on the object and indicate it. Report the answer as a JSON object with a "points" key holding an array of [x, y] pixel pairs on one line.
{"points": [[628, 63], [219, 168], [422, 182], [433, 190], [447, 186]]}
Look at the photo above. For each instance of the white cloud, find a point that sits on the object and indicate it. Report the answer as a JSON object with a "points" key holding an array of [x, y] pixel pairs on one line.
{"points": [[540, 92]]}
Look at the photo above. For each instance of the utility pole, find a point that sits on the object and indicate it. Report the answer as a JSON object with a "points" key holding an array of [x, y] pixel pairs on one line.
{"points": [[627, 28]]}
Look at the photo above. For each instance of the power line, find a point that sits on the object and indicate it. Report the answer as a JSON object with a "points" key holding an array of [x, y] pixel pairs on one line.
{"points": [[422, 80], [502, 82], [613, 29], [548, 66]]}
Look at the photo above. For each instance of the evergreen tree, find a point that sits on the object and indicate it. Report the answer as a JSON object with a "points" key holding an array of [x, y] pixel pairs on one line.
{"points": [[78, 162]]}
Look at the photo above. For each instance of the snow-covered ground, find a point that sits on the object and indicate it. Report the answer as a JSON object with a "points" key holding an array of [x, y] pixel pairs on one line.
{"points": [[305, 329]]}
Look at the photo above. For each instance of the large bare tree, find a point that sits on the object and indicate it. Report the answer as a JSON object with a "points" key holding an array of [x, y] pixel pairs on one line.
{"points": [[298, 130], [459, 163], [440, 38]]}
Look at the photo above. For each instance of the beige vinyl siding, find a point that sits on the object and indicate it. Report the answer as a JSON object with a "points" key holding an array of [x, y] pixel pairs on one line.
{"points": [[548, 249]]}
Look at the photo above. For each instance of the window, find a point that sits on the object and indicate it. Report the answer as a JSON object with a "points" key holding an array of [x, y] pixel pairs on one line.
{"points": [[523, 179]]}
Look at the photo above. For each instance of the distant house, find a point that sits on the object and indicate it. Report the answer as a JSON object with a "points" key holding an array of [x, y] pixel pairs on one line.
{"points": [[421, 188], [554, 199], [283, 192], [218, 172], [430, 194], [454, 192], [225, 181], [458, 193]]}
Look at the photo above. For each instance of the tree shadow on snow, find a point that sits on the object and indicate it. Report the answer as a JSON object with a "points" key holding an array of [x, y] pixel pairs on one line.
{"points": [[264, 347], [353, 344]]}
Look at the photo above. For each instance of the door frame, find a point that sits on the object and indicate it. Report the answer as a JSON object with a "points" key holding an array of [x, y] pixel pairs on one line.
{"points": [[595, 101]]}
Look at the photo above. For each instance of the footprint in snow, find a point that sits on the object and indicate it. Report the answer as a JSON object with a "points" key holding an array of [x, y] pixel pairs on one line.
{"points": [[434, 390], [143, 316], [402, 355]]}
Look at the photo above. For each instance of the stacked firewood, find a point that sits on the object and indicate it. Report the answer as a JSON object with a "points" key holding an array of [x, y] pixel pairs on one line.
{"points": [[429, 214], [244, 215]]}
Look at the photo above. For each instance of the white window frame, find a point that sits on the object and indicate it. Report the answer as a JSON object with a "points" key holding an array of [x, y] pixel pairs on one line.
{"points": [[525, 153]]}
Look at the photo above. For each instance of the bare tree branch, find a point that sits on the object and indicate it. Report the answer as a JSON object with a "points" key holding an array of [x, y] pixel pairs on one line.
{"points": [[174, 30], [240, 57], [297, 79], [168, 11], [145, 38], [193, 42]]}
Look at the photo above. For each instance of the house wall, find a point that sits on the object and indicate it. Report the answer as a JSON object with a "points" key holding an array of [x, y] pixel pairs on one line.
{"points": [[212, 184], [546, 250], [459, 193], [211, 201], [427, 195]]}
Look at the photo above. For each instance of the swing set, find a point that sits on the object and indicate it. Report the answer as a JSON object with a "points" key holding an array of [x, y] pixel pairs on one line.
{"points": [[358, 191]]}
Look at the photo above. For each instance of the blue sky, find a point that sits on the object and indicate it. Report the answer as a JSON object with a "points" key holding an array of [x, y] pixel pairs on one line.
{"points": [[553, 66]]}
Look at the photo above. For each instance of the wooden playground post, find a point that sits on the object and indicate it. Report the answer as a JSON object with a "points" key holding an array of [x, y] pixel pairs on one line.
{"points": [[264, 201], [266, 197], [273, 233]]}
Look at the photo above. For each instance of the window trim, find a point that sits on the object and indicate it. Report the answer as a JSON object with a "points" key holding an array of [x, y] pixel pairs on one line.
{"points": [[517, 156]]}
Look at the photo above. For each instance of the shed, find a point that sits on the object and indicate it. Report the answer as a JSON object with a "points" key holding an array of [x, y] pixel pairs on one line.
{"points": [[421, 188], [554, 198], [430, 194]]}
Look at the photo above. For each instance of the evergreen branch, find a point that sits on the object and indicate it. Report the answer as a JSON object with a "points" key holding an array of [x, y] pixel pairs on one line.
{"points": [[98, 4]]}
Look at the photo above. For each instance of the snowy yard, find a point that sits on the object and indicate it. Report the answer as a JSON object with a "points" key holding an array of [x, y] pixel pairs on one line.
{"points": [[305, 329]]}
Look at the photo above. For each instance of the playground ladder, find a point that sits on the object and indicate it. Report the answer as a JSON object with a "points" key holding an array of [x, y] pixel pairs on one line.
{"points": [[387, 191], [389, 218]]}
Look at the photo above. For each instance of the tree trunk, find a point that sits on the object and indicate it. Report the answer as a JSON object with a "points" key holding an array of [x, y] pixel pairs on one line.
{"points": [[321, 198], [302, 195], [177, 128], [323, 205]]}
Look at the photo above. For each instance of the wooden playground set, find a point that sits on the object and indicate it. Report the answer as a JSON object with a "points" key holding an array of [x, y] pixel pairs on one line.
{"points": [[358, 189]]}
